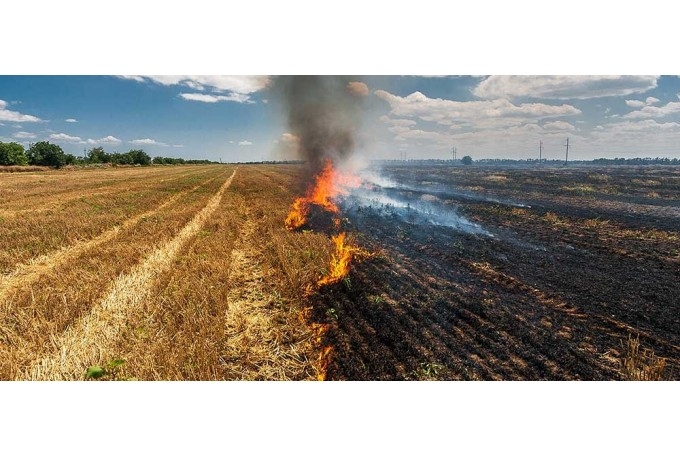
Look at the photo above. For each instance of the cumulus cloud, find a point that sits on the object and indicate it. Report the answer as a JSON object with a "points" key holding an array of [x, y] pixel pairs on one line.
{"points": [[245, 143], [559, 125], [638, 137], [236, 84], [649, 111], [563, 87], [14, 116], [71, 120], [63, 137], [24, 135], [358, 88], [641, 126], [110, 140], [639, 103], [481, 114], [207, 98], [147, 141], [635, 103]]}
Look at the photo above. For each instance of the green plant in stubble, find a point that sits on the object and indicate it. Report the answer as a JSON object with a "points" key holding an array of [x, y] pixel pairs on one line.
{"points": [[98, 372]]}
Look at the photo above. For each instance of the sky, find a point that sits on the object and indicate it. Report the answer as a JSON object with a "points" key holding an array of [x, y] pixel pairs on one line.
{"points": [[240, 118]]}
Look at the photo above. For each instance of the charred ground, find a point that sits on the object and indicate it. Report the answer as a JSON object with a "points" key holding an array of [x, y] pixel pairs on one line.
{"points": [[575, 261]]}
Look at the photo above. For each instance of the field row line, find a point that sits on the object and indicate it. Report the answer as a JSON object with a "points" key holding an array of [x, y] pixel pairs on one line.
{"points": [[85, 342], [25, 274], [116, 187]]}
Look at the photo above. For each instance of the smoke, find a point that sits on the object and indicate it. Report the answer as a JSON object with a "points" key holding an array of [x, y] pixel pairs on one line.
{"points": [[324, 114]]}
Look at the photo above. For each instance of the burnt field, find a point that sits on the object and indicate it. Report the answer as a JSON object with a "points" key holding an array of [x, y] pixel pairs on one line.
{"points": [[506, 274]]}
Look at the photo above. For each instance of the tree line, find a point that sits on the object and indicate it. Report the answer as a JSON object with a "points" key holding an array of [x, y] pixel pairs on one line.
{"points": [[46, 154]]}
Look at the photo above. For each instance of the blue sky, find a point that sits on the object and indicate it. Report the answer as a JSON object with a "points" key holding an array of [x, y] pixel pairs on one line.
{"points": [[238, 118]]}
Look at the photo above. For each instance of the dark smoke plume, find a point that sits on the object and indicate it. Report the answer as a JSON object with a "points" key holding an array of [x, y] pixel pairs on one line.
{"points": [[324, 113]]}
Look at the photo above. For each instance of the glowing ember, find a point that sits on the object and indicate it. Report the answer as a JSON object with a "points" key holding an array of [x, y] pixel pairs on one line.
{"points": [[329, 184], [324, 360]]}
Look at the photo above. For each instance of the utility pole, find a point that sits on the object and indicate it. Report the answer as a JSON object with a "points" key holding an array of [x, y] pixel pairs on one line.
{"points": [[540, 151], [453, 152], [566, 158]]}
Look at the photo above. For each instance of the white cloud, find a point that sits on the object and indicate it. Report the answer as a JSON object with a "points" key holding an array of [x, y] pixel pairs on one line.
{"points": [[110, 140], [647, 111], [397, 121], [563, 87], [235, 84], [635, 103], [639, 138], [177, 145], [638, 103], [71, 120], [147, 141], [641, 126], [63, 137], [480, 114], [206, 98], [132, 78], [14, 116], [559, 125], [24, 135], [245, 143]]}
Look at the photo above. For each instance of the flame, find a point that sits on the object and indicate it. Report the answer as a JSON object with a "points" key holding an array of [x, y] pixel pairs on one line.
{"points": [[340, 261], [328, 184]]}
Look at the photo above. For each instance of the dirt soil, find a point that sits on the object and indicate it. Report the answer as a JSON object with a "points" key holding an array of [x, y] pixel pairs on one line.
{"points": [[575, 261]]}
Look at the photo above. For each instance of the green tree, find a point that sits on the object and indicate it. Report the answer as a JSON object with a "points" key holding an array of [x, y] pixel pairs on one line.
{"points": [[12, 154], [139, 157], [70, 159], [467, 160], [45, 154], [98, 155]]}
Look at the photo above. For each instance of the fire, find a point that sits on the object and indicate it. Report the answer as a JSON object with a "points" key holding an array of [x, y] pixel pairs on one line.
{"points": [[328, 184], [340, 261]]}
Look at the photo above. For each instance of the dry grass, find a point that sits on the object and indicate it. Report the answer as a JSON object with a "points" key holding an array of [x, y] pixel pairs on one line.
{"points": [[38, 310], [83, 343], [35, 232], [227, 311], [640, 365], [496, 178], [14, 169], [193, 284]]}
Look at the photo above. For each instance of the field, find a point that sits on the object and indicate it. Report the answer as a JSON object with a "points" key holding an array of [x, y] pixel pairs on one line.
{"points": [[189, 273]]}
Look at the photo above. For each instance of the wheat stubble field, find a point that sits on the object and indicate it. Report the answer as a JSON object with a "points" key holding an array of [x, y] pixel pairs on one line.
{"points": [[195, 273], [183, 273]]}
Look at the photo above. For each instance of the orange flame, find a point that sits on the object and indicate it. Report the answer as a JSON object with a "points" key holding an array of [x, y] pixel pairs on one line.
{"points": [[339, 262], [328, 184]]}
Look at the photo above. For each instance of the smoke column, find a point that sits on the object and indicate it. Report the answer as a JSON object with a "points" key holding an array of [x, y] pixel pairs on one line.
{"points": [[324, 113]]}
